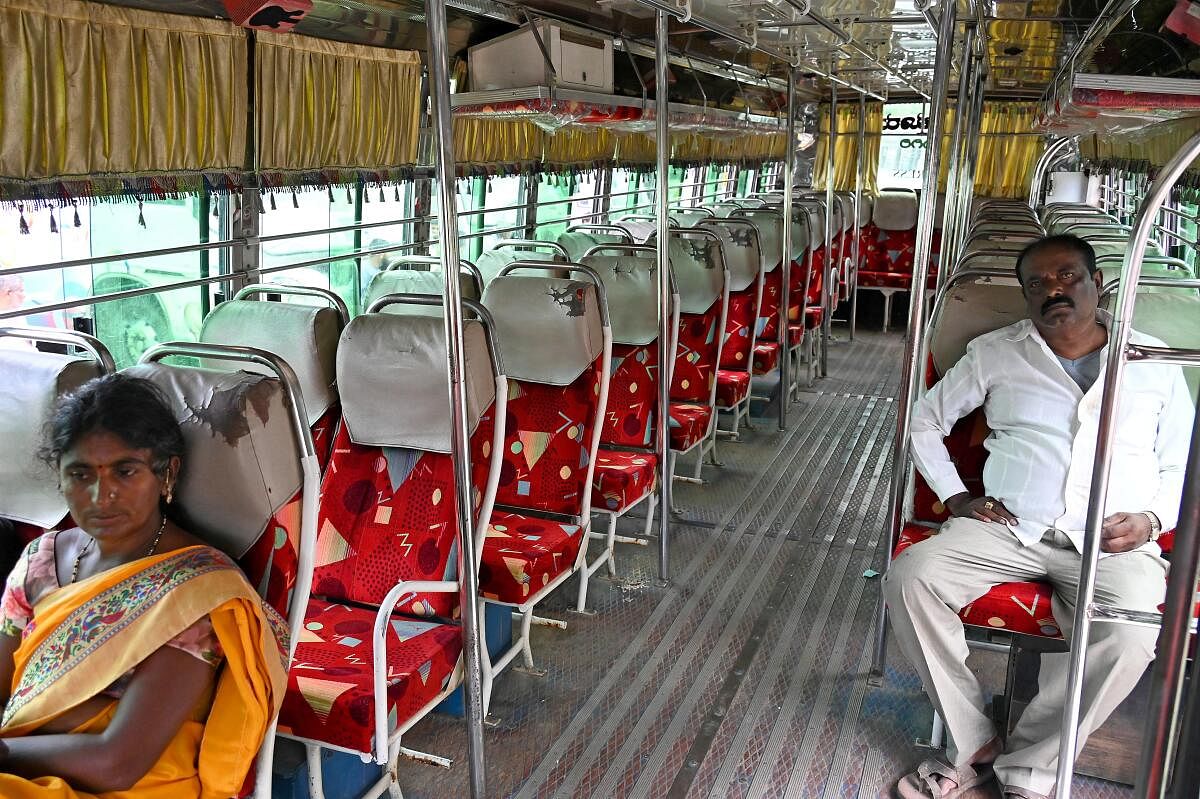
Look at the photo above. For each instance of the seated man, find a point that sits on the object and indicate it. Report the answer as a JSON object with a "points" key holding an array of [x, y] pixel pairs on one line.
{"points": [[1040, 383]]}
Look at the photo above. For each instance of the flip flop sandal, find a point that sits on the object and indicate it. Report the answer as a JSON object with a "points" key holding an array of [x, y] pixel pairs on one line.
{"points": [[924, 783]]}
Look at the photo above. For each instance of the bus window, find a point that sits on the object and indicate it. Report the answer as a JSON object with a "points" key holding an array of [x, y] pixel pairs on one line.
{"points": [[128, 326], [388, 210], [902, 146], [505, 192], [312, 210], [572, 199], [629, 191]]}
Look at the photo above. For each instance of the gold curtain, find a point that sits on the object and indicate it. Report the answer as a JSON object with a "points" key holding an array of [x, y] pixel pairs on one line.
{"points": [[95, 90], [636, 148], [479, 141], [699, 147], [1008, 150], [1155, 145], [325, 104], [578, 146], [845, 153]]}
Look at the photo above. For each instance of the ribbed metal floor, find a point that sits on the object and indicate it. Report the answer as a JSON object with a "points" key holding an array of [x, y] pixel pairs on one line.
{"points": [[746, 675]]}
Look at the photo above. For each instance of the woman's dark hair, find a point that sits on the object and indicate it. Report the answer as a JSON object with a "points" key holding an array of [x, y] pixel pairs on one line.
{"points": [[131, 408]]}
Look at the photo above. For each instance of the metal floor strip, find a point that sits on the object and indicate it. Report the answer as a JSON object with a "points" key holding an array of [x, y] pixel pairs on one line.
{"points": [[553, 757], [729, 580], [681, 715]]}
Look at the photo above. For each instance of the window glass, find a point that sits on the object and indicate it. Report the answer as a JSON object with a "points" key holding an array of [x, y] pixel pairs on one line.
{"points": [[902, 146], [303, 212], [397, 204], [571, 198], [128, 326], [503, 192]]}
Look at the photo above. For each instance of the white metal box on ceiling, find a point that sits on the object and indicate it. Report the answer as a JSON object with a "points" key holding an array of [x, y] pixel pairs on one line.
{"points": [[581, 60]]}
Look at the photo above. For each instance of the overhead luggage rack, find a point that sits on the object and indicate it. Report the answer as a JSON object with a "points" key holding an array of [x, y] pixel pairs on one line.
{"points": [[1110, 104], [552, 108]]}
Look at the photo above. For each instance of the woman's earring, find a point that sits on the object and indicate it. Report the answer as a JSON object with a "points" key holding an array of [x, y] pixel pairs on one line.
{"points": [[170, 494]]}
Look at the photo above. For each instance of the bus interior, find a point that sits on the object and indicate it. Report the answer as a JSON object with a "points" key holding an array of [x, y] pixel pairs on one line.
{"points": [[652, 286]]}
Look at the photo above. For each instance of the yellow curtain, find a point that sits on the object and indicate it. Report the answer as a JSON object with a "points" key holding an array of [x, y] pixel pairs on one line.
{"points": [[1156, 144], [95, 90], [636, 148], [325, 104], [759, 147], [845, 153], [480, 141], [1008, 150], [578, 146]]}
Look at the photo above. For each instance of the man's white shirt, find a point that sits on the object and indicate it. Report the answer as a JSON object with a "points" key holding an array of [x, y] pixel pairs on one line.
{"points": [[1043, 440]]}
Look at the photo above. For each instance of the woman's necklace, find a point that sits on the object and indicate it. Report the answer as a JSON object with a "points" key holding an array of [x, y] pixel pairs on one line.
{"points": [[88, 546]]}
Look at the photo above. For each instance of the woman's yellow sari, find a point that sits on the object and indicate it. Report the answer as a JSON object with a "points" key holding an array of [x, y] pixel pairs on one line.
{"points": [[86, 635]]}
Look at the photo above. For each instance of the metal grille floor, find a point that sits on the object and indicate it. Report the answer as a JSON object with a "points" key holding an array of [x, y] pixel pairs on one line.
{"points": [[746, 676]]}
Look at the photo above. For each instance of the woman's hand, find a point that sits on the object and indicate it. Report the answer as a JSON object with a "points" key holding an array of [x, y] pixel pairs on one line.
{"points": [[165, 690]]}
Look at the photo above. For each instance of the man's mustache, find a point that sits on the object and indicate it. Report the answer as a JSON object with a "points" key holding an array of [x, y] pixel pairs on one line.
{"points": [[1053, 301]]}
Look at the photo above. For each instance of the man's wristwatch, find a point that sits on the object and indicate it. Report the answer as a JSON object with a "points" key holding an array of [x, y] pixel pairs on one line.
{"points": [[1155, 524]]}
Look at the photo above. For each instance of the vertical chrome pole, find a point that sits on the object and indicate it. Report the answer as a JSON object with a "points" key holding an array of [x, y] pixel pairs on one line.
{"points": [[443, 143], [858, 198], [828, 289], [967, 188], [1118, 340], [914, 368], [789, 174], [948, 254], [1162, 734], [665, 333]]}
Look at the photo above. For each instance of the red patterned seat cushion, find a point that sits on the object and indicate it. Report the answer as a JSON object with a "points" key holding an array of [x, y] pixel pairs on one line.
{"points": [[795, 334], [732, 387], [387, 514], [895, 249], [738, 325], [813, 317], [330, 696], [696, 358], [689, 424], [622, 478], [766, 357], [323, 432], [885, 280], [272, 563], [768, 308], [547, 443], [523, 554], [1022, 607], [632, 396]]}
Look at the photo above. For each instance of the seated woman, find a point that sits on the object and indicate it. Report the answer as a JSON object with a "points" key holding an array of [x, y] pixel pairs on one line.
{"points": [[135, 661]]}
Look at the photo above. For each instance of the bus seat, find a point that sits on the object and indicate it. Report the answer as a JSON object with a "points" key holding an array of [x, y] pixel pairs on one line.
{"points": [[303, 335], [491, 262], [557, 348], [887, 260], [699, 267], [33, 382], [388, 516], [740, 249], [626, 463], [640, 230], [419, 281], [578, 242], [770, 311], [1170, 316]]}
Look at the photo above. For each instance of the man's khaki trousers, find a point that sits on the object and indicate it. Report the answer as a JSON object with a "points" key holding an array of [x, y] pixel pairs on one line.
{"points": [[930, 582]]}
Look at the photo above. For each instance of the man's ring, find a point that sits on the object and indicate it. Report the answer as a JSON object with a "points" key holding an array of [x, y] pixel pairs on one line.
{"points": [[988, 505]]}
